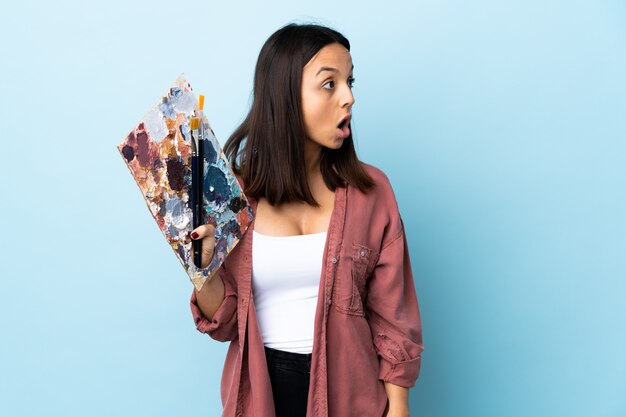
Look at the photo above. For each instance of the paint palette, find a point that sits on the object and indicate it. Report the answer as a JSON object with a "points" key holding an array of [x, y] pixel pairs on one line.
{"points": [[158, 153]]}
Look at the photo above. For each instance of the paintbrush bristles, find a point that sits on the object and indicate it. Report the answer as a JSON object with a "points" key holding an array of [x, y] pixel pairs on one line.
{"points": [[194, 123]]}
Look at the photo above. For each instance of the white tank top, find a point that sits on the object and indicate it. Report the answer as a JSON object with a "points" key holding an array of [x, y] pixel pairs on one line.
{"points": [[286, 273]]}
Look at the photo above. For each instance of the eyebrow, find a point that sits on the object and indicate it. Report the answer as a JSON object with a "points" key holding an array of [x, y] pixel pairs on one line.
{"points": [[331, 69]]}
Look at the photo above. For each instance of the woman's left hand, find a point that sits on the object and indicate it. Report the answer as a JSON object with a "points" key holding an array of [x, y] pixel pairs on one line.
{"points": [[398, 400], [398, 411]]}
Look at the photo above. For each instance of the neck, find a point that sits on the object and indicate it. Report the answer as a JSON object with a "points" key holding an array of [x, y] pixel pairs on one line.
{"points": [[312, 158]]}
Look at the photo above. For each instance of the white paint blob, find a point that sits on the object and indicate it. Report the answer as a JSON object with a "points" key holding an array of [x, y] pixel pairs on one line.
{"points": [[154, 122]]}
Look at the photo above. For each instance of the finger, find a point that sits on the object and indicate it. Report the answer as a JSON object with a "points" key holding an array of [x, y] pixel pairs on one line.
{"points": [[207, 254], [206, 230]]}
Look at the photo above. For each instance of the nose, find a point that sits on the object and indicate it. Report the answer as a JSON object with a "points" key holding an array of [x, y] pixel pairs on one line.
{"points": [[347, 98]]}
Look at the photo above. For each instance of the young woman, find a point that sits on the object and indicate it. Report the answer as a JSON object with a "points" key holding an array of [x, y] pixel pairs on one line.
{"points": [[317, 299]]}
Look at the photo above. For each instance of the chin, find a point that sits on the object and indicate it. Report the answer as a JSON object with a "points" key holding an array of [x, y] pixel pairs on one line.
{"points": [[336, 143], [335, 147]]}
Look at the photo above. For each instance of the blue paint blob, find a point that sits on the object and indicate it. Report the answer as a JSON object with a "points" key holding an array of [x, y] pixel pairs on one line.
{"points": [[232, 228], [167, 106], [210, 154], [216, 187]]}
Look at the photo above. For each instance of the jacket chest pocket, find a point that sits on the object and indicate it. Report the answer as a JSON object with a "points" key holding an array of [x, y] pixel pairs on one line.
{"points": [[351, 279]]}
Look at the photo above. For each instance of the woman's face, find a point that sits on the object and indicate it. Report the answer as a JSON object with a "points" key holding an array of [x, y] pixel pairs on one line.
{"points": [[327, 96]]}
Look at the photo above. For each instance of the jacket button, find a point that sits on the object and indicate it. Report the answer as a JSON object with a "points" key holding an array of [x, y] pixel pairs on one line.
{"points": [[362, 253], [334, 260]]}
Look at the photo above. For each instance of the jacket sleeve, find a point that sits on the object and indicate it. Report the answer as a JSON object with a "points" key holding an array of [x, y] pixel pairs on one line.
{"points": [[393, 313], [223, 327]]}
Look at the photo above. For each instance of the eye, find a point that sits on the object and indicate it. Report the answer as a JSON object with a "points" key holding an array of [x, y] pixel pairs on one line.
{"points": [[351, 82], [329, 85]]}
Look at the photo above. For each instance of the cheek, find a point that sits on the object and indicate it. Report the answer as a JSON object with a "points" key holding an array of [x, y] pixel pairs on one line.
{"points": [[313, 109]]}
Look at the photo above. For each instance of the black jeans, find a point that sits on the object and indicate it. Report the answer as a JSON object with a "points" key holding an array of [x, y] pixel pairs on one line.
{"points": [[289, 373]]}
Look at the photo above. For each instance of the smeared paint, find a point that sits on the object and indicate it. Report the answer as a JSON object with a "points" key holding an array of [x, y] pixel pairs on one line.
{"points": [[166, 107], [157, 170], [180, 250], [155, 125], [175, 173], [177, 102], [210, 154], [143, 148], [128, 152], [215, 185], [185, 104], [236, 204], [231, 228], [162, 208], [177, 216]]}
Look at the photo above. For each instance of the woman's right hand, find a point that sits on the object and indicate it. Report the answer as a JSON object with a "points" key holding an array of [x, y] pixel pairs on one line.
{"points": [[206, 232]]}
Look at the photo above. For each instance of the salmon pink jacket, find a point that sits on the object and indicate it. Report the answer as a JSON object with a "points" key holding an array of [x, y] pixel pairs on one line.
{"points": [[367, 323]]}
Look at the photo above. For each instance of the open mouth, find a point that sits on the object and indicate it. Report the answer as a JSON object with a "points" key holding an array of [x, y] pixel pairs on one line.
{"points": [[344, 127], [345, 121]]}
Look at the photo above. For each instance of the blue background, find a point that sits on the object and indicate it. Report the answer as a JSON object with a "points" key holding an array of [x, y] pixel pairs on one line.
{"points": [[500, 124]]}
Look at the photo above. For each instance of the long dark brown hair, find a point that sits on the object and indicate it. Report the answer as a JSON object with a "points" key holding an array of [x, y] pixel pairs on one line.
{"points": [[267, 149]]}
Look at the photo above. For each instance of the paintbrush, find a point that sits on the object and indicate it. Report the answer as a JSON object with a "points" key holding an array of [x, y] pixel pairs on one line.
{"points": [[197, 177]]}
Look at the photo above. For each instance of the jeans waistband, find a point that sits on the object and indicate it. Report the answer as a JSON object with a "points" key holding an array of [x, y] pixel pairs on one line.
{"points": [[300, 360]]}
